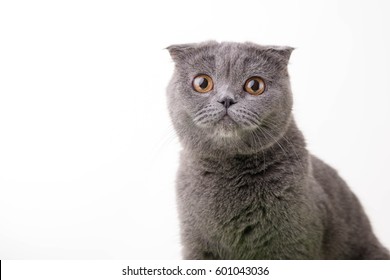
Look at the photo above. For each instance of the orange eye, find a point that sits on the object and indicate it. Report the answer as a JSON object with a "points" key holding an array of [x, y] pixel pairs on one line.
{"points": [[254, 86], [202, 83]]}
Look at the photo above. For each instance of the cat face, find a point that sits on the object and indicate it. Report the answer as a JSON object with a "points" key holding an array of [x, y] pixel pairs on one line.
{"points": [[229, 96]]}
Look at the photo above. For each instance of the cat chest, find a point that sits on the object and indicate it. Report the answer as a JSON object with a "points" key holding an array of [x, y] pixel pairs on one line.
{"points": [[228, 203], [233, 214]]}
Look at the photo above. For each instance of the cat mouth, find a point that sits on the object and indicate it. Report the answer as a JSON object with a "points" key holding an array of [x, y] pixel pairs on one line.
{"points": [[227, 123], [227, 119]]}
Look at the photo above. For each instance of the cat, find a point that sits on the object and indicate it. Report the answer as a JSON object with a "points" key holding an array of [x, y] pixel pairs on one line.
{"points": [[247, 188]]}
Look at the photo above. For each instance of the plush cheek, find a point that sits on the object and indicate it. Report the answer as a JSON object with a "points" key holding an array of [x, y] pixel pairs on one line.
{"points": [[261, 105], [277, 106], [272, 101], [189, 101]]}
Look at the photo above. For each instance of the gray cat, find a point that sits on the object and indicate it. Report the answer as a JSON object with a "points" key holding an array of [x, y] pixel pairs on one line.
{"points": [[247, 188]]}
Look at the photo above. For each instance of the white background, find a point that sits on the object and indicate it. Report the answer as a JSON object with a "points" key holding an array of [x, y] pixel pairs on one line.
{"points": [[87, 153]]}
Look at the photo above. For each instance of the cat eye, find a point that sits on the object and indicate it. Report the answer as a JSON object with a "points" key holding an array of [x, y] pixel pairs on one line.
{"points": [[254, 86], [202, 83]]}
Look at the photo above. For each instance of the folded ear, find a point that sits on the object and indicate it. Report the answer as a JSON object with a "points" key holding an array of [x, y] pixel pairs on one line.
{"points": [[281, 53], [181, 51], [184, 52]]}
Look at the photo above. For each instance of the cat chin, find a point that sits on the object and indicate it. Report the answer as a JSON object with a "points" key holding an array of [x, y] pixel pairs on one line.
{"points": [[225, 130], [226, 127], [222, 133]]}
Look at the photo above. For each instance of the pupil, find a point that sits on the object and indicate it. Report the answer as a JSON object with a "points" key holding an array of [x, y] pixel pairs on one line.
{"points": [[254, 85], [203, 83]]}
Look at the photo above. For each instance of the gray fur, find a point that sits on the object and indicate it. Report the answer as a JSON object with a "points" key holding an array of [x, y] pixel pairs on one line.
{"points": [[247, 188]]}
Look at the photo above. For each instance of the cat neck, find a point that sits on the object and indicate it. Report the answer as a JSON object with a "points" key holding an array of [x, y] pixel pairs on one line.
{"points": [[288, 146], [285, 161]]}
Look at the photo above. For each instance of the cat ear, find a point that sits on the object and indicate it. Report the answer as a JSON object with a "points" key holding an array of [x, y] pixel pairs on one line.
{"points": [[281, 53], [181, 51]]}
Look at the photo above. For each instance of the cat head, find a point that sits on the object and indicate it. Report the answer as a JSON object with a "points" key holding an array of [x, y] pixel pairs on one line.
{"points": [[229, 98]]}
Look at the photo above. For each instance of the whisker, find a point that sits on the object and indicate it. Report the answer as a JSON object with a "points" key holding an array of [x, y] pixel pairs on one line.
{"points": [[292, 145], [284, 151]]}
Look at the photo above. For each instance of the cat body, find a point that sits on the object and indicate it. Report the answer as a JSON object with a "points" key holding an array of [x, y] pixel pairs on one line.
{"points": [[247, 188]]}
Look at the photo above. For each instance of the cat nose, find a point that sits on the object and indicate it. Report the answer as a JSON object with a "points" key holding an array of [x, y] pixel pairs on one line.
{"points": [[227, 101]]}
